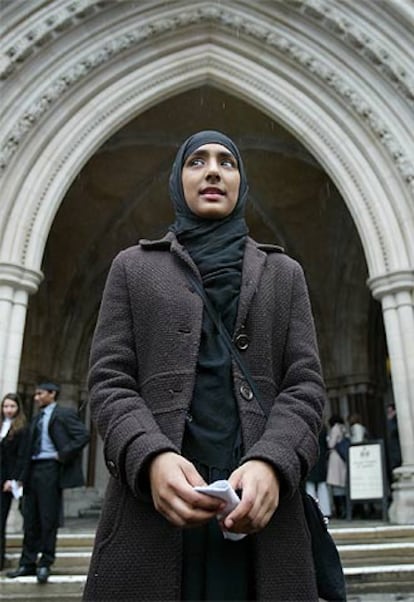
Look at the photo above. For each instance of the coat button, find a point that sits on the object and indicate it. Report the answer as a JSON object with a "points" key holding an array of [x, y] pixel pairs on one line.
{"points": [[242, 341], [246, 392], [112, 468]]}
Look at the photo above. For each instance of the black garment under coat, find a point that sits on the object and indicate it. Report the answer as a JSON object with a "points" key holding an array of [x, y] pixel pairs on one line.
{"points": [[143, 360]]}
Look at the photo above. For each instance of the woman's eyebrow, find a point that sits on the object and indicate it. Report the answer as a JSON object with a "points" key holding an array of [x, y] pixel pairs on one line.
{"points": [[205, 153]]}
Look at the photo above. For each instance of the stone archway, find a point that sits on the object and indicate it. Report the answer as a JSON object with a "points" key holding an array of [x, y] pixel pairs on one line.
{"points": [[307, 65]]}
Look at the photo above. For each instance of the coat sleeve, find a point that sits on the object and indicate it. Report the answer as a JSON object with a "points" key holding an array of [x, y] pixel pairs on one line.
{"points": [[290, 439], [129, 431]]}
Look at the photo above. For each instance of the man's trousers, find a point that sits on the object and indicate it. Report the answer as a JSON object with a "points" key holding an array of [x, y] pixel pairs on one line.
{"points": [[41, 510]]}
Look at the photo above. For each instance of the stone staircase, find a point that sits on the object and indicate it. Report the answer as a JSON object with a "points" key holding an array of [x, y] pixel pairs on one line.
{"points": [[377, 559], [378, 563]]}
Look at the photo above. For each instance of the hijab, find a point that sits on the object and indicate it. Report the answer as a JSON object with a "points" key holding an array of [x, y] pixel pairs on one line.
{"points": [[217, 248], [215, 245]]}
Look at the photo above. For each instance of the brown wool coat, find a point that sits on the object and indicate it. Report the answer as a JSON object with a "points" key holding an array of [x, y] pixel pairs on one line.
{"points": [[143, 362]]}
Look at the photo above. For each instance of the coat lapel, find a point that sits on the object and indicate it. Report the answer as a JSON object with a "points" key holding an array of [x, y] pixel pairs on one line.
{"points": [[253, 265]]}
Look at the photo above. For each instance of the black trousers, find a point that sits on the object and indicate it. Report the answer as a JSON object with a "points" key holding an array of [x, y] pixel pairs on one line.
{"points": [[5, 500], [41, 511]]}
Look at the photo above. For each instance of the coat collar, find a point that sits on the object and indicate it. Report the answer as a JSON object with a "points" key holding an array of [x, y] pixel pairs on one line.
{"points": [[169, 240], [255, 256]]}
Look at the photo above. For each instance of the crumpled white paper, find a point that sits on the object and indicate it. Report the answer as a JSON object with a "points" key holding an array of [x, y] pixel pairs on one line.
{"points": [[224, 491]]}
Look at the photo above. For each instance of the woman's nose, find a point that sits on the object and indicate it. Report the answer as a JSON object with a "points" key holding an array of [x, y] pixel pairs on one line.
{"points": [[213, 169]]}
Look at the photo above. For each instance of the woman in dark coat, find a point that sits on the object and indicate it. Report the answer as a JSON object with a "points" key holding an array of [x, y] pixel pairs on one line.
{"points": [[176, 412], [12, 444]]}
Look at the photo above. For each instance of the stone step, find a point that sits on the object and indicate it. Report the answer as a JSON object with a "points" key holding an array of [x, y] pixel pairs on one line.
{"points": [[373, 553], [64, 588], [64, 540], [351, 555], [370, 534], [73, 562], [377, 560], [380, 579], [341, 535]]}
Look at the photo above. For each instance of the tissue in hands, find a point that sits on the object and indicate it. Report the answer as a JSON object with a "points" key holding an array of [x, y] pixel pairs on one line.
{"points": [[224, 491]]}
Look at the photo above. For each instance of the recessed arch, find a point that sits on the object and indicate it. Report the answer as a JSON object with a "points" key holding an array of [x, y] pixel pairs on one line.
{"points": [[319, 125]]}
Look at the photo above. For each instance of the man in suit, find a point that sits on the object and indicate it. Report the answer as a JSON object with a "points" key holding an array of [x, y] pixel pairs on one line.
{"points": [[52, 463]]}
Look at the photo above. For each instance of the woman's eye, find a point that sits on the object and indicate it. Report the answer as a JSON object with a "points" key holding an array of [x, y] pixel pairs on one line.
{"points": [[196, 161], [228, 163]]}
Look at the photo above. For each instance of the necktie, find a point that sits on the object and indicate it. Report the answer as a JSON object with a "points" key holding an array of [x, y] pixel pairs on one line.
{"points": [[37, 437]]}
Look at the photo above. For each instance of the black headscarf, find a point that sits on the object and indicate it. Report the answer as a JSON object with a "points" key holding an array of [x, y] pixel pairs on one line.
{"points": [[217, 248], [215, 245]]}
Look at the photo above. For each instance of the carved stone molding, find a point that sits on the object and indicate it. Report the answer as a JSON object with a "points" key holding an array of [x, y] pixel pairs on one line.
{"points": [[266, 89], [329, 16], [58, 19], [19, 277], [262, 32], [392, 283], [70, 150]]}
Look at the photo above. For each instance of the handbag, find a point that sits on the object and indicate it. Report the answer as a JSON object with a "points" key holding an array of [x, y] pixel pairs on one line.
{"points": [[330, 578], [342, 448]]}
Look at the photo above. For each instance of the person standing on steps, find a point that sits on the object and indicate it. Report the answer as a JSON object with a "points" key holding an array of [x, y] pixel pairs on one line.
{"points": [[337, 467], [175, 412], [13, 431], [52, 463]]}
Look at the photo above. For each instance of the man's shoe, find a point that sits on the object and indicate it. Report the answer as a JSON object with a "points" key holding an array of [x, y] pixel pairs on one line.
{"points": [[43, 573], [21, 571]]}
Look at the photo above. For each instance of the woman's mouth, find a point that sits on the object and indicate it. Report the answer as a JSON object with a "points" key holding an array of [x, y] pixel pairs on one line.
{"points": [[211, 193]]}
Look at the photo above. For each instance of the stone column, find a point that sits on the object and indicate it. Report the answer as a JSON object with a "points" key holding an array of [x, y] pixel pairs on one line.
{"points": [[396, 293], [16, 283]]}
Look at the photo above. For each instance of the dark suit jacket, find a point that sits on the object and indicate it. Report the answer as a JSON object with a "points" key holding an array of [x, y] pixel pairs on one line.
{"points": [[12, 455], [69, 435]]}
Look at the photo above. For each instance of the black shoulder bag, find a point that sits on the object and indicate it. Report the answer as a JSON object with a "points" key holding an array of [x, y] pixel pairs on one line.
{"points": [[328, 568]]}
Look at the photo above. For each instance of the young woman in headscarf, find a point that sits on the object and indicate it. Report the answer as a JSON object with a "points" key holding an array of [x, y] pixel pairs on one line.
{"points": [[176, 412]]}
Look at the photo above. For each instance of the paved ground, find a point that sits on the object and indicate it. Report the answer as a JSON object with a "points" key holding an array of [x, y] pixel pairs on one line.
{"points": [[381, 598]]}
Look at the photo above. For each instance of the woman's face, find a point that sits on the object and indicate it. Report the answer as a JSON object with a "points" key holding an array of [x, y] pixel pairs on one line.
{"points": [[211, 181], [10, 408]]}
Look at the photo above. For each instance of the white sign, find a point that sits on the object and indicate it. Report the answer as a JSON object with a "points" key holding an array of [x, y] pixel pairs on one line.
{"points": [[366, 480]]}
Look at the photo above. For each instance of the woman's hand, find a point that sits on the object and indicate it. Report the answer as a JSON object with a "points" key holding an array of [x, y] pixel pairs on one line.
{"points": [[172, 479], [7, 486], [260, 497]]}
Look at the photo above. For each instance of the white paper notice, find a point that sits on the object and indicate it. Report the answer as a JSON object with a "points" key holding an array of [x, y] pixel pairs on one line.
{"points": [[365, 472]]}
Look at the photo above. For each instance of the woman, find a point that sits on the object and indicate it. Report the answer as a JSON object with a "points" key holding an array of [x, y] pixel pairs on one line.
{"points": [[337, 470], [12, 441], [175, 412], [358, 432]]}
